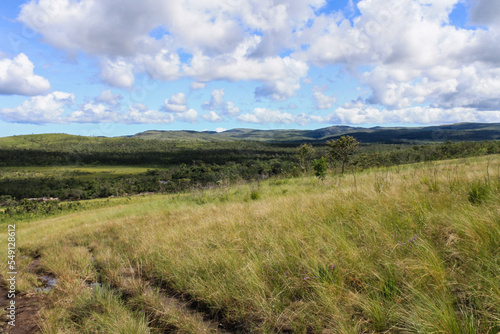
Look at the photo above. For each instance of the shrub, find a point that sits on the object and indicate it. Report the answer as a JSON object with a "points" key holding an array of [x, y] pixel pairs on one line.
{"points": [[478, 192], [320, 166], [255, 195]]}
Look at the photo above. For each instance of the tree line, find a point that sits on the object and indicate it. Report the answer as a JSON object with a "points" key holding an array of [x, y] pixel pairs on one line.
{"points": [[207, 165]]}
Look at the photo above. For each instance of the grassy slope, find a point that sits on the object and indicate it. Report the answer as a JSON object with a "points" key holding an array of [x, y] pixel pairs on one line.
{"points": [[35, 141], [400, 250]]}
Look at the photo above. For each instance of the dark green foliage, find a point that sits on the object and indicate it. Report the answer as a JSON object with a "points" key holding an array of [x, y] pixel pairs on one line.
{"points": [[320, 166], [178, 166], [453, 132], [390, 155], [342, 148], [255, 195], [478, 192], [305, 152]]}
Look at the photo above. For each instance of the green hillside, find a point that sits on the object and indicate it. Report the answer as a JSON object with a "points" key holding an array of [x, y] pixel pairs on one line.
{"points": [[454, 132], [442, 133]]}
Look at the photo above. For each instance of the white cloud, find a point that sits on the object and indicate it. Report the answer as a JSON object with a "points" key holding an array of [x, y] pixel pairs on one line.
{"points": [[409, 53], [220, 130], [164, 65], [117, 73], [211, 117], [280, 76], [323, 101], [414, 56], [136, 114], [189, 116], [220, 38], [109, 98], [112, 28], [140, 114], [176, 103], [266, 116], [39, 109], [217, 102], [197, 85], [94, 113], [17, 77], [359, 113]]}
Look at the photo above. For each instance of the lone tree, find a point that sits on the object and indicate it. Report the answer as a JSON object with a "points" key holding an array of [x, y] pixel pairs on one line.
{"points": [[305, 153], [342, 148]]}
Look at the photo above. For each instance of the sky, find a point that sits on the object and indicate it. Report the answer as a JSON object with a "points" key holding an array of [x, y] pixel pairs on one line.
{"points": [[119, 67]]}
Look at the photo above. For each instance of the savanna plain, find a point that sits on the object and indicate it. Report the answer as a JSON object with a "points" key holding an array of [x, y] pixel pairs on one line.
{"points": [[407, 248]]}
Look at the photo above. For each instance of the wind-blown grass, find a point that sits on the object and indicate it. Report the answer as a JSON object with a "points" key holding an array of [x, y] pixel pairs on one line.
{"points": [[398, 250]]}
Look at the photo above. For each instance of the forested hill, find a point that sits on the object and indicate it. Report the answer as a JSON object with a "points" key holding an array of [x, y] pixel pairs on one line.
{"points": [[453, 132], [384, 135]]}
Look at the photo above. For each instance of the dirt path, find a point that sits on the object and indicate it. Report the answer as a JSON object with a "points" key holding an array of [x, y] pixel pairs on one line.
{"points": [[179, 303], [27, 307]]}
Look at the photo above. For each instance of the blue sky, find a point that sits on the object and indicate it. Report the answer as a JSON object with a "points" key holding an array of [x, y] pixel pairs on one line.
{"points": [[114, 67]]}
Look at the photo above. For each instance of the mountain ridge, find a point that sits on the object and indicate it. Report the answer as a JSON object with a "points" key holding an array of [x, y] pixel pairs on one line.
{"points": [[377, 134], [437, 133]]}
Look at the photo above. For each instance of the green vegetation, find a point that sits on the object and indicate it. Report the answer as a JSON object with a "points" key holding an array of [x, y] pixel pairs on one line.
{"points": [[320, 166], [342, 149], [76, 160], [406, 249], [155, 236], [453, 132], [73, 168], [305, 153]]}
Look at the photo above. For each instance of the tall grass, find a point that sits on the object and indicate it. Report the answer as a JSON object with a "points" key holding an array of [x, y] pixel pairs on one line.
{"points": [[407, 249]]}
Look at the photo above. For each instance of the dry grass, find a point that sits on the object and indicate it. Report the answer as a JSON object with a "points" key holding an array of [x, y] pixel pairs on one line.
{"points": [[410, 249]]}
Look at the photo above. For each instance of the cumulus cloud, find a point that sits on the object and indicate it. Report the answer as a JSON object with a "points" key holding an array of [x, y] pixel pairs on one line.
{"points": [[94, 113], [280, 76], [221, 39], [266, 116], [176, 103], [189, 116], [323, 101], [140, 114], [217, 102], [414, 56], [359, 113], [39, 109], [94, 26], [164, 65], [410, 56], [117, 73], [109, 98], [135, 114], [17, 77], [211, 117]]}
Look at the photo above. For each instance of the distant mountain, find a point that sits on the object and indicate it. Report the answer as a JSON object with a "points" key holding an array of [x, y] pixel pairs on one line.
{"points": [[453, 132]]}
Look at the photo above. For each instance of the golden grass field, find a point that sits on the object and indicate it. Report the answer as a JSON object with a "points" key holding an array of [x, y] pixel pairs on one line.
{"points": [[408, 249]]}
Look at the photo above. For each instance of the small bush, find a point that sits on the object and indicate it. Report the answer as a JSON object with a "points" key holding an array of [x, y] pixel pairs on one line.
{"points": [[255, 195], [478, 192], [320, 166]]}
